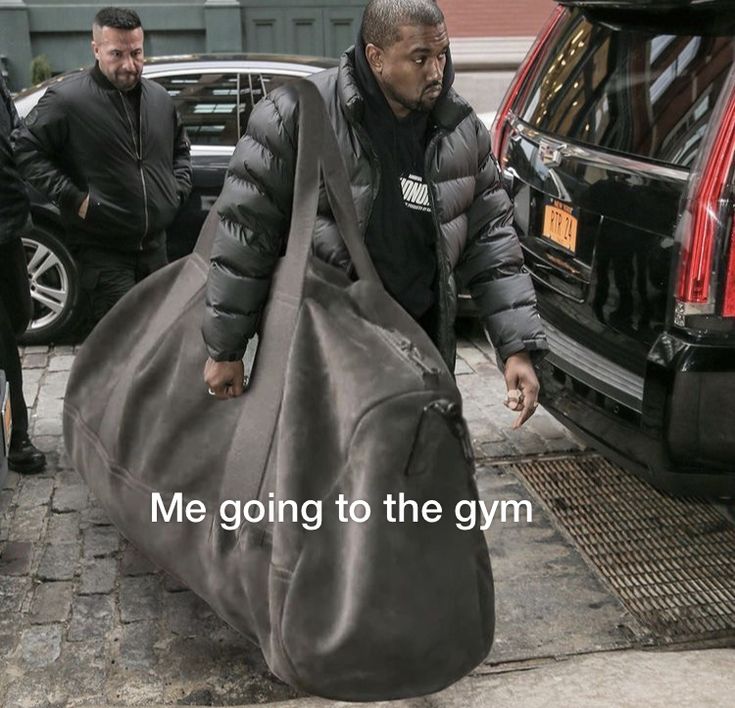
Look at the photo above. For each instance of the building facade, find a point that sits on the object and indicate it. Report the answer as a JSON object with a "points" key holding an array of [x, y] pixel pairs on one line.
{"points": [[486, 34]]}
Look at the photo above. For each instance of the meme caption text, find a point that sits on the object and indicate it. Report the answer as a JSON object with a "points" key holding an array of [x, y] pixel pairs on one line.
{"points": [[398, 508]]}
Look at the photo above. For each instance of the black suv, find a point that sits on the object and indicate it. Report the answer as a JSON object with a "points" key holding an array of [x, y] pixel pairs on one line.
{"points": [[617, 142], [215, 95]]}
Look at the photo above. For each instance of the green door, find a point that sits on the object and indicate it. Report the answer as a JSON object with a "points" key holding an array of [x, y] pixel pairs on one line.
{"points": [[301, 29]]}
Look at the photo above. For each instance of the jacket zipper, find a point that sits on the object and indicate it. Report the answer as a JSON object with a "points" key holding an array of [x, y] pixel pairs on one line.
{"points": [[440, 253], [375, 168], [138, 150]]}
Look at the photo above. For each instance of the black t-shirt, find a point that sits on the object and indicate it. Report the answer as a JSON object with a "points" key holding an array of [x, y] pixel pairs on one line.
{"points": [[401, 236]]}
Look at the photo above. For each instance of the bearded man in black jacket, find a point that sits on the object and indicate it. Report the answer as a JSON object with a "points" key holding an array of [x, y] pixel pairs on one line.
{"points": [[426, 190], [15, 294], [109, 148]]}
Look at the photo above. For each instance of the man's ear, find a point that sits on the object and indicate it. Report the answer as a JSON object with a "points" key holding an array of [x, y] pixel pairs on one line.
{"points": [[374, 55], [94, 49]]}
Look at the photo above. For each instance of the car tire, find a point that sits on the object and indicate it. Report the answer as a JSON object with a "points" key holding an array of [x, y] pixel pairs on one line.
{"points": [[54, 285]]}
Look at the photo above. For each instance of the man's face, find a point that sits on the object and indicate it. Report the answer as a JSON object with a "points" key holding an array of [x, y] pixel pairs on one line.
{"points": [[120, 55], [410, 71]]}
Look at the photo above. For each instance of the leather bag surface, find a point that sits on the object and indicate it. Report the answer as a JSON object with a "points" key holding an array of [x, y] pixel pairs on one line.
{"points": [[348, 396]]}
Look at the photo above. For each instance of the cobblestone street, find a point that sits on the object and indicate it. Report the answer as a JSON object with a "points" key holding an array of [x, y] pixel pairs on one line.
{"points": [[83, 616], [85, 619], [177, 179]]}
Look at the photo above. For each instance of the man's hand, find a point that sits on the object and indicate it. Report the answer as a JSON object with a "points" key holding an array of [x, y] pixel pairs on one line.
{"points": [[225, 379], [83, 208], [522, 385]]}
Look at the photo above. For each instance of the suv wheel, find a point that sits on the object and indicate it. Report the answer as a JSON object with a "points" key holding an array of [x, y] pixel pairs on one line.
{"points": [[54, 287]]}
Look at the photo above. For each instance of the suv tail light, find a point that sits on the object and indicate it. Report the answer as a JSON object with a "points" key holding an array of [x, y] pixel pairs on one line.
{"points": [[703, 231], [500, 126], [728, 303]]}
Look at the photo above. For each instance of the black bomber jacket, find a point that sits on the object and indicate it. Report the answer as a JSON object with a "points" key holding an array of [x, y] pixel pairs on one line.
{"points": [[82, 139]]}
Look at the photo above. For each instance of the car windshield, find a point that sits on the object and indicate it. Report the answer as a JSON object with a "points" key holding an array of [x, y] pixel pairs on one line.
{"points": [[639, 93]]}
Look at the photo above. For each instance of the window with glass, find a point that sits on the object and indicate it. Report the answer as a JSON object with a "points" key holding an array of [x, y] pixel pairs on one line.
{"points": [[253, 87], [215, 107], [207, 104], [632, 92]]}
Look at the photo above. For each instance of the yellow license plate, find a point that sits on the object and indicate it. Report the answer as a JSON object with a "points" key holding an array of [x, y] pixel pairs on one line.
{"points": [[560, 225]]}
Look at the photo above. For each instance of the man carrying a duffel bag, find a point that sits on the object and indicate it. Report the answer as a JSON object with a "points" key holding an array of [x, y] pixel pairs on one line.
{"points": [[15, 296], [427, 192]]}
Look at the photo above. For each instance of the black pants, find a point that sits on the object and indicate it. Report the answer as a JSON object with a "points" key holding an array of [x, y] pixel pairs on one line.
{"points": [[105, 276], [15, 311]]}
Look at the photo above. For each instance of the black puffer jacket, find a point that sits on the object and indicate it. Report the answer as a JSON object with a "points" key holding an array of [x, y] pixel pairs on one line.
{"points": [[81, 138], [13, 197], [472, 212]]}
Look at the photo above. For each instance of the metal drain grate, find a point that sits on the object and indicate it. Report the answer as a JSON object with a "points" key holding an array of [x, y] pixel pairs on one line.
{"points": [[670, 561]]}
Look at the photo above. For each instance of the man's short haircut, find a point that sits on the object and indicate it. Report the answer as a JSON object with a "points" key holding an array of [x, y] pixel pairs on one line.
{"points": [[382, 19], [118, 18]]}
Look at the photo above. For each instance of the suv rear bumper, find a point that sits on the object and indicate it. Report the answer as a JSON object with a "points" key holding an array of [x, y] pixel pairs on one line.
{"points": [[675, 427]]}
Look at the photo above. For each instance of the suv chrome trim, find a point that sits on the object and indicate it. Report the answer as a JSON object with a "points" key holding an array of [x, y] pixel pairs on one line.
{"points": [[547, 284], [595, 156], [594, 370]]}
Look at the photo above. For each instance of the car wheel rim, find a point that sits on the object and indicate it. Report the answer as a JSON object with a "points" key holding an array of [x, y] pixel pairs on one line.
{"points": [[49, 281]]}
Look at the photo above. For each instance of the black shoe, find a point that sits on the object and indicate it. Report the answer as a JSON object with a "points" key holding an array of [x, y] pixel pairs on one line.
{"points": [[24, 457]]}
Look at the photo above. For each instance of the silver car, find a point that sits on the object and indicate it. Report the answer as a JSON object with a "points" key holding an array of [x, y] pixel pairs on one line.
{"points": [[215, 95]]}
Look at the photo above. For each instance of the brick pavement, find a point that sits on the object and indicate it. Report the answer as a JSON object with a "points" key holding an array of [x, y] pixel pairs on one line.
{"points": [[483, 393], [85, 619]]}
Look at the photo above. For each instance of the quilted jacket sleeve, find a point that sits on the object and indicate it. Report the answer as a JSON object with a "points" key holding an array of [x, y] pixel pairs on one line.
{"points": [[38, 143], [254, 210], [491, 264]]}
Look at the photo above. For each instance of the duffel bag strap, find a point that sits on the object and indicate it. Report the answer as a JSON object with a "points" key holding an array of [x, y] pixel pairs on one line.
{"points": [[318, 154], [206, 236]]}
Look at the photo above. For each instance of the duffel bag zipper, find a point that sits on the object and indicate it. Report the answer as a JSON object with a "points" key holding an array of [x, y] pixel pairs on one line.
{"points": [[409, 351], [452, 414]]}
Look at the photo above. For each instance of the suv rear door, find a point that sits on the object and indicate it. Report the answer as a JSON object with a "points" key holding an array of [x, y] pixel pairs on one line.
{"points": [[602, 139]]}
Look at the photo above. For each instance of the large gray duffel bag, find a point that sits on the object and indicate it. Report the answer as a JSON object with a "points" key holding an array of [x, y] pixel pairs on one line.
{"points": [[348, 397]]}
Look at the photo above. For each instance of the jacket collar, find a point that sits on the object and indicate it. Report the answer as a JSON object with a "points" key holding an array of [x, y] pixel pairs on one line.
{"points": [[104, 83], [450, 110]]}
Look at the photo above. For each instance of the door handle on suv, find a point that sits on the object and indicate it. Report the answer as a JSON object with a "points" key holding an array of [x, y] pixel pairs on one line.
{"points": [[557, 290]]}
